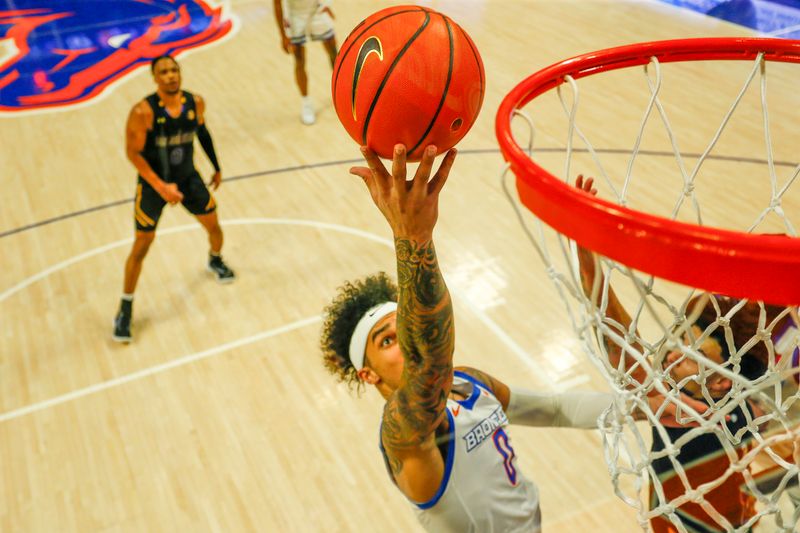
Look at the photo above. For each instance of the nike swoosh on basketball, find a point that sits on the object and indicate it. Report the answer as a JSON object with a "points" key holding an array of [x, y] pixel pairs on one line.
{"points": [[372, 45]]}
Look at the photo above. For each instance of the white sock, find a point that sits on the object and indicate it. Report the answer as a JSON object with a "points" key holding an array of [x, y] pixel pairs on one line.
{"points": [[127, 297], [306, 100]]}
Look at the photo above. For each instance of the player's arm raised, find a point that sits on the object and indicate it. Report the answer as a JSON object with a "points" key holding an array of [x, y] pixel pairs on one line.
{"points": [[135, 137], [424, 319], [615, 310]]}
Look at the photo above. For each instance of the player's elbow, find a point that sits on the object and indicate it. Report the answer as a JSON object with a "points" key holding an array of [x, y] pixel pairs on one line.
{"points": [[132, 154]]}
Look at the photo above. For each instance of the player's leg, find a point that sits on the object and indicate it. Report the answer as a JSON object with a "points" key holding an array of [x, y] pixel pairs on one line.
{"points": [[147, 210], [330, 48], [216, 265], [298, 22], [300, 76], [321, 29], [133, 265], [200, 202], [307, 115]]}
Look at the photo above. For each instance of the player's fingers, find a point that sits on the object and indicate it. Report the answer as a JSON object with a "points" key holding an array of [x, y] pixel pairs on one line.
{"points": [[697, 405], [588, 186], [362, 172], [425, 165], [366, 175], [439, 179], [399, 165], [379, 173]]}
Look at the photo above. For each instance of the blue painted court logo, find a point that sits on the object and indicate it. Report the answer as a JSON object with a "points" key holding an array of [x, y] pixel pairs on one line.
{"points": [[56, 53]]}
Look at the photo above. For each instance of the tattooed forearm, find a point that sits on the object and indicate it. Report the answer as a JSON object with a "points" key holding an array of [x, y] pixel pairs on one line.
{"points": [[425, 314], [426, 337]]}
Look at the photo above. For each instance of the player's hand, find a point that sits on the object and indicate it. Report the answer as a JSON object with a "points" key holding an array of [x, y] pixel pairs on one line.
{"points": [[670, 417], [410, 207], [286, 44], [216, 180], [170, 193]]}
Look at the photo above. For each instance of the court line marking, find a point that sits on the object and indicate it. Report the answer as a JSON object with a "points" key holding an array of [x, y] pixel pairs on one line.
{"points": [[179, 229], [504, 337], [157, 369], [473, 151]]}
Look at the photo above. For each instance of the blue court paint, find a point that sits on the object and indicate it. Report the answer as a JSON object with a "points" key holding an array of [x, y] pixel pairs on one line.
{"points": [[777, 18], [61, 53]]}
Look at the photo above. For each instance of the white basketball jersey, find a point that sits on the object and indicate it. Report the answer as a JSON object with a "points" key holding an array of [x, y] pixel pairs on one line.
{"points": [[300, 6], [483, 489]]}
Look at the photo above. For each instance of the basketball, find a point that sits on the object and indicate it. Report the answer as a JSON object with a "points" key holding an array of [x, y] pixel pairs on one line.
{"points": [[409, 75]]}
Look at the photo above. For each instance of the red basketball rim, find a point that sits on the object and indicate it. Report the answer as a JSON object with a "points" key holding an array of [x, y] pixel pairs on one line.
{"points": [[758, 267]]}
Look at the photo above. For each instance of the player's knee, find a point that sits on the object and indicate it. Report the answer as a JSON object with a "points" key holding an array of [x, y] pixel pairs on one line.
{"points": [[142, 244]]}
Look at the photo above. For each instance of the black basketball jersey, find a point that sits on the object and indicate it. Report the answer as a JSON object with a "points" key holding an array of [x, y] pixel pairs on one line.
{"points": [[169, 147], [704, 460]]}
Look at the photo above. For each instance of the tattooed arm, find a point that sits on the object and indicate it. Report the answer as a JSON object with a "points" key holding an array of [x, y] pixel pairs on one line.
{"points": [[424, 320]]}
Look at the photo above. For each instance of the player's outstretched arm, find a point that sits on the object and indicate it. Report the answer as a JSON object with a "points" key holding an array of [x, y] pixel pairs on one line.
{"points": [[424, 317], [593, 285]]}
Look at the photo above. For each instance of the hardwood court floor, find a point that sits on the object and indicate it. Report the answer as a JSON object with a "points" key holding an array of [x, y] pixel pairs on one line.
{"points": [[219, 416]]}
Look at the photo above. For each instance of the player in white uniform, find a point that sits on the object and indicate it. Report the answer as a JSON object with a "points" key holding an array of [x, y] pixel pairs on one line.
{"points": [[483, 488], [297, 20], [443, 431]]}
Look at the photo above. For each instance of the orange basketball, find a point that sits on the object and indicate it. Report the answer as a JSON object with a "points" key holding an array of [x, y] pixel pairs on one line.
{"points": [[408, 74]]}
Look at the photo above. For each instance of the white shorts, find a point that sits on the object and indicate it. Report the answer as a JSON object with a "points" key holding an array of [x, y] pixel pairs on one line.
{"points": [[309, 23]]}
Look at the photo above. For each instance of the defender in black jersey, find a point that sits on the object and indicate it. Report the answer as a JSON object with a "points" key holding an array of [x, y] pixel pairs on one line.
{"points": [[160, 143]]}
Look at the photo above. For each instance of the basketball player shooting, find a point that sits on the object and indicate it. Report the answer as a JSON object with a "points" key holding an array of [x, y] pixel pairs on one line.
{"points": [[444, 429]]}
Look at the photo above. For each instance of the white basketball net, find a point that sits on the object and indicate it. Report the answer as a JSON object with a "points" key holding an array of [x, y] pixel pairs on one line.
{"points": [[761, 451]]}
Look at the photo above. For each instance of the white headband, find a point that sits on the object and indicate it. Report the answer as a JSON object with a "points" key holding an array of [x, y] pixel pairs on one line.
{"points": [[358, 341]]}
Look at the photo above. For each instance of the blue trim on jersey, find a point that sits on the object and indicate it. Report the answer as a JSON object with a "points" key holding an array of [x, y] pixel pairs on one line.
{"points": [[469, 403], [464, 375], [448, 467]]}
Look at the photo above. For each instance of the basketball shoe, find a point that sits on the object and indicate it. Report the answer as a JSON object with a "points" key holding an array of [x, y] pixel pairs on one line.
{"points": [[307, 115], [218, 267], [122, 322]]}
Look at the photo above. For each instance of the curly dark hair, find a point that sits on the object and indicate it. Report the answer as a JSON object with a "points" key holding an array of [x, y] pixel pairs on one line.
{"points": [[341, 316], [743, 326]]}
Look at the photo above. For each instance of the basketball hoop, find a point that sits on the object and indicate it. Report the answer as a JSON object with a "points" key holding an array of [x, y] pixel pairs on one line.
{"points": [[761, 267], [678, 270]]}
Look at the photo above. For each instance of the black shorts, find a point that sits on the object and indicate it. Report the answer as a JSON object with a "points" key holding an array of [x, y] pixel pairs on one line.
{"points": [[197, 199]]}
